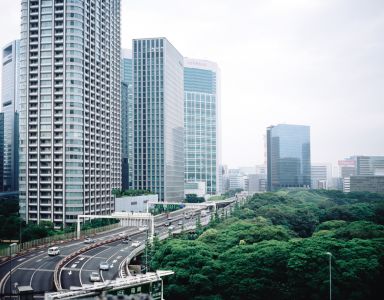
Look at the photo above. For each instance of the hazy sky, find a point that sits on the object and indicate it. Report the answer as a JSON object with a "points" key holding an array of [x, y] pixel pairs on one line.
{"points": [[311, 62]]}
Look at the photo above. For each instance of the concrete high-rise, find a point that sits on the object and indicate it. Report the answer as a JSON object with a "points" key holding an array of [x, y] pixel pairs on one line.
{"points": [[1, 151], [69, 109], [288, 156], [126, 120], [202, 123], [10, 108], [158, 88]]}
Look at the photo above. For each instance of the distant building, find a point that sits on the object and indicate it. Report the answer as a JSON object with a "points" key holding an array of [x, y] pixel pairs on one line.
{"points": [[202, 123], [256, 183], [158, 86], [320, 176], [127, 108], [369, 165], [373, 184], [288, 156], [10, 107], [134, 203]]}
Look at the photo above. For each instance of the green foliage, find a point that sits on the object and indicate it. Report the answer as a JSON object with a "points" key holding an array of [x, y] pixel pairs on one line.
{"points": [[192, 198], [130, 193], [275, 248]]}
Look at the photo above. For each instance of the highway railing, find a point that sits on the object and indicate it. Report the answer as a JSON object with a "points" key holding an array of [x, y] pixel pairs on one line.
{"points": [[54, 239]]}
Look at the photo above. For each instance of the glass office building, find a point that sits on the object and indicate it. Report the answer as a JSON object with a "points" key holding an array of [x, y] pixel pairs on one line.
{"points": [[10, 108], [158, 87], [70, 89], [202, 123], [288, 156], [126, 120]]}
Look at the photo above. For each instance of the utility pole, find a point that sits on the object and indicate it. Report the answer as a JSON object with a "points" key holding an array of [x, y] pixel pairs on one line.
{"points": [[330, 274]]}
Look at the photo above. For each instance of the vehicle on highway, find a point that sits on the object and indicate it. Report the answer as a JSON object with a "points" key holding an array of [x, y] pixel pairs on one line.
{"points": [[169, 217], [187, 216], [121, 234], [104, 266], [88, 240], [52, 251], [171, 227], [95, 276], [167, 223], [204, 213], [143, 228], [136, 244], [180, 222], [127, 240]]}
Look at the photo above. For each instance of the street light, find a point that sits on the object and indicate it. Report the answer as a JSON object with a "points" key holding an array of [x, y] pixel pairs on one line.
{"points": [[10, 268], [330, 274]]}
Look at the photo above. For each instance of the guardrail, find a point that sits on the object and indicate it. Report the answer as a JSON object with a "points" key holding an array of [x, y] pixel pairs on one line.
{"points": [[51, 240]]}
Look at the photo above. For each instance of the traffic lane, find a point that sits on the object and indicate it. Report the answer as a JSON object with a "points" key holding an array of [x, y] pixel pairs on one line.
{"points": [[114, 261], [31, 276], [95, 256], [70, 278]]}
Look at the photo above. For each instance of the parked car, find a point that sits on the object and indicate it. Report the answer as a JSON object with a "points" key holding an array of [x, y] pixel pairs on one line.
{"points": [[136, 244], [180, 222], [95, 276], [88, 240], [104, 266], [53, 251]]}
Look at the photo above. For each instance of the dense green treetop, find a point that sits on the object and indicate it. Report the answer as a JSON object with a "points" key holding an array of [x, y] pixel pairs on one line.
{"points": [[275, 247]]}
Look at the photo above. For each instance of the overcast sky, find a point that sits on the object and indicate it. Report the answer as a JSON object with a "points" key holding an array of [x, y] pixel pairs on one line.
{"points": [[310, 62]]}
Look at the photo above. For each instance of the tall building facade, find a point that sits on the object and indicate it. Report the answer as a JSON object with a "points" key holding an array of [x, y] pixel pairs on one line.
{"points": [[69, 109], [158, 87], [1, 151], [10, 108], [288, 156], [202, 123], [126, 120]]}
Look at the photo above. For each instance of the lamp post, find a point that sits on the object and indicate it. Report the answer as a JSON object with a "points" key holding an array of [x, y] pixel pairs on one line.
{"points": [[330, 274], [10, 268]]}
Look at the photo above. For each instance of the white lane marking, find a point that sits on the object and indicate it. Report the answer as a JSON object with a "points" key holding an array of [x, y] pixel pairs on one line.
{"points": [[119, 257], [114, 261], [21, 259], [70, 273], [81, 258], [39, 260], [74, 266]]}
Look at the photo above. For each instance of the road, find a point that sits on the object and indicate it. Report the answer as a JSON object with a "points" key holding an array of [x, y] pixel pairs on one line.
{"points": [[36, 269]]}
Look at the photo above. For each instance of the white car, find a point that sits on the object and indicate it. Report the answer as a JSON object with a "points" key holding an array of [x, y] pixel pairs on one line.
{"points": [[104, 266], [95, 276], [53, 251], [121, 234], [89, 240], [136, 244]]}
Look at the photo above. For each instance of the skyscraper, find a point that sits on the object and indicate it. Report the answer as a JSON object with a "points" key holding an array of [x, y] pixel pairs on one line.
{"points": [[202, 123], [126, 120], [10, 106], [69, 108], [1, 151], [158, 118], [288, 156]]}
